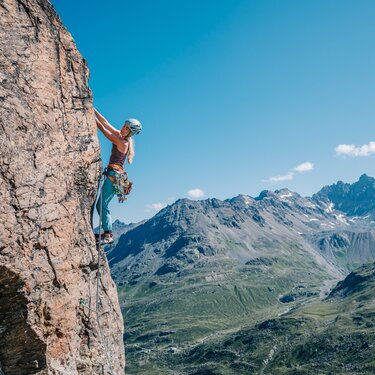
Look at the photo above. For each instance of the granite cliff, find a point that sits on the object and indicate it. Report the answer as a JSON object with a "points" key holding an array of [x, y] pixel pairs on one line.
{"points": [[49, 171]]}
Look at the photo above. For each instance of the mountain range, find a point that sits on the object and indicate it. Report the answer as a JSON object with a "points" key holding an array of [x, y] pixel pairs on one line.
{"points": [[200, 273]]}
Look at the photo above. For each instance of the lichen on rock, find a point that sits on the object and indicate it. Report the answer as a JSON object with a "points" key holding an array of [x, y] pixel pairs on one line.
{"points": [[49, 170]]}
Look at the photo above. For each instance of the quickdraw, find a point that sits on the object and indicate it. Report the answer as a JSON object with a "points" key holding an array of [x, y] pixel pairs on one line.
{"points": [[120, 181]]}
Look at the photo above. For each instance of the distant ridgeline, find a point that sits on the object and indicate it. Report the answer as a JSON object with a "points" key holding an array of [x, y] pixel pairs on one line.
{"points": [[235, 286]]}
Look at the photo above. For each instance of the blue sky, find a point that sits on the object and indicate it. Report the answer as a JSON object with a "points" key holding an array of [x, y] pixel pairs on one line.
{"points": [[233, 94]]}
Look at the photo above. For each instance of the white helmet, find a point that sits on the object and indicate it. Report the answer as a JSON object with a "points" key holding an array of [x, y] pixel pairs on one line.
{"points": [[134, 125]]}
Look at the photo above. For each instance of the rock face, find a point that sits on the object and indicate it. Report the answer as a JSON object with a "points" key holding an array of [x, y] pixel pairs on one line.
{"points": [[49, 171]]}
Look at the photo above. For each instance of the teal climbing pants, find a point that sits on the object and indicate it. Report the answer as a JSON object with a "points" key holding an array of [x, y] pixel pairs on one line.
{"points": [[108, 192]]}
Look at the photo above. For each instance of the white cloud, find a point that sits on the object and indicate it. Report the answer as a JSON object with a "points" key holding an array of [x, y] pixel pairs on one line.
{"points": [[304, 167], [352, 150], [195, 193], [286, 177], [154, 207]]}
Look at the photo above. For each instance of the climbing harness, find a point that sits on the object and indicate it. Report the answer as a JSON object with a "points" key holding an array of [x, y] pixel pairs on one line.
{"points": [[120, 181], [82, 302]]}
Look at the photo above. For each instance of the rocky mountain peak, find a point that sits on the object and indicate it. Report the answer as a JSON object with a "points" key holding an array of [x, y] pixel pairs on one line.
{"points": [[264, 194], [365, 178], [356, 199], [241, 200]]}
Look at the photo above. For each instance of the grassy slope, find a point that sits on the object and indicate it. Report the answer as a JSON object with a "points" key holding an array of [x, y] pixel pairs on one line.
{"points": [[205, 303], [333, 336]]}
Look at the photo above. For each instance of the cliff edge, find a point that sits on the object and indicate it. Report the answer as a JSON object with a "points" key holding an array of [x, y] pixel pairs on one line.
{"points": [[49, 171]]}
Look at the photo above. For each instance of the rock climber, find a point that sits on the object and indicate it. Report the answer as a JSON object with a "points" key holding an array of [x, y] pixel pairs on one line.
{"points": [[116, 181]]}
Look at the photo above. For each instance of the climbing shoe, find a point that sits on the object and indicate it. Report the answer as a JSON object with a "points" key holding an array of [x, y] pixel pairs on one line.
{"points": [[107, 240]]}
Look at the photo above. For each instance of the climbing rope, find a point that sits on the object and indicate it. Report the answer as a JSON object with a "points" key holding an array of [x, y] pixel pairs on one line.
{"points": [[82, 302]]}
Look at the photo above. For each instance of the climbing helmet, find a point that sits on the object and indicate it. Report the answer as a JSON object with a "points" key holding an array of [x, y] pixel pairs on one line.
{"points": [[134, 125]]}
